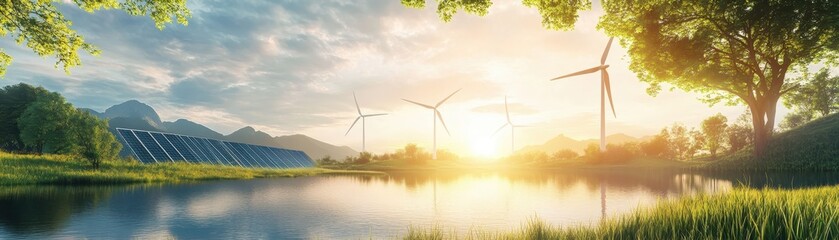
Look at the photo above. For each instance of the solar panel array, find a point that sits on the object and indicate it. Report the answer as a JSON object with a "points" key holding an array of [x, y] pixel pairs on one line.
{"points": [[158, 147]]}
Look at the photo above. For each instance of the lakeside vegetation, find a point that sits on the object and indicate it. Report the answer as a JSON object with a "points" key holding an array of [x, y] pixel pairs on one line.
{"points": [[740, 214], [28, 169]]}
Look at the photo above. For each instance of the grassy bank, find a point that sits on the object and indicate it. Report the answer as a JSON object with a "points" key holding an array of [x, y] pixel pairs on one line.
{"points": [[740, 214], [814, 146], [24, 169]]}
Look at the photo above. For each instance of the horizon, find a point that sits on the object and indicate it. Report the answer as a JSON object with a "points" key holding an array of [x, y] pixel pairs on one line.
{"points": [[306, 63]]}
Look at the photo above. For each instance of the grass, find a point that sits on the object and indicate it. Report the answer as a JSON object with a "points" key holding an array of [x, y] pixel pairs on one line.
{"points": [[740, 214], [814, 146], [25, 169]]}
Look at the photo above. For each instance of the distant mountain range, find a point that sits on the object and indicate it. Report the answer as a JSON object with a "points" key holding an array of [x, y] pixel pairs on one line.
{"points": [[562, 142], [137, 115]]}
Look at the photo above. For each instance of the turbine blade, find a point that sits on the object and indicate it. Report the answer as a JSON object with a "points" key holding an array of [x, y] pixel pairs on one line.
{"points": [[447, 98], [587, 71], [605, 76], [440, 116], [499, 129], [507, 110], [606, 52], [356, 103], [373, 115], [423, 105], [353, 125]]}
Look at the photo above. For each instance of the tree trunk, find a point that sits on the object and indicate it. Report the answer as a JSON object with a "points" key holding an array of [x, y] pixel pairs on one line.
{"points": [[759, 127]]}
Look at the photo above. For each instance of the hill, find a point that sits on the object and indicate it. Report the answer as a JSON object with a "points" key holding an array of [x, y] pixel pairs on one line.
{"points": [[137, 115], [814, 146], [562, 142]]}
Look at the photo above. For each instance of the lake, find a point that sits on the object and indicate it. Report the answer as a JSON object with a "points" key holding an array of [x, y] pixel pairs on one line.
{"points": [[328, 207]]}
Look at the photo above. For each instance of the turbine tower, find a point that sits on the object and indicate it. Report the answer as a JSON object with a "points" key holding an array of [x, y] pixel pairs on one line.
{"points": [[512, 127], [363, 124], [437, 115], [604, 85]]}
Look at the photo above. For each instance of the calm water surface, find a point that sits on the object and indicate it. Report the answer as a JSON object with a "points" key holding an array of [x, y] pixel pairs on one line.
{"points": [[329, 207]]}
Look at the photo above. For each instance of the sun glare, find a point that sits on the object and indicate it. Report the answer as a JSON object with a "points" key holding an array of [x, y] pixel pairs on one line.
{"points": [[484, 148]]}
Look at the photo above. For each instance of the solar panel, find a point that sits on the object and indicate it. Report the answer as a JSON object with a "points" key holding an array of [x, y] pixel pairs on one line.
{"points": [[179, 145], [136, 147], [167, 147], [157, 147]]}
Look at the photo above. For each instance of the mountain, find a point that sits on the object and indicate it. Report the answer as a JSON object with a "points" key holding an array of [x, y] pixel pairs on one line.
{"points": [[250, 135], [186, 127], [93, 112], [137, 115], [562, 142], [315, 148], [135, 110]]}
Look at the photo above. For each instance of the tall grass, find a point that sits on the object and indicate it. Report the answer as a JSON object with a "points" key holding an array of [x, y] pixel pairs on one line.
{"points": [[25, 169], [740, 214]]}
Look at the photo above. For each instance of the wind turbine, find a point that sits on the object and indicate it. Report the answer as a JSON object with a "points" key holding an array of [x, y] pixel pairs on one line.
{"points": [[363, 124], [437, 115], [512, 127], [604, 85]]}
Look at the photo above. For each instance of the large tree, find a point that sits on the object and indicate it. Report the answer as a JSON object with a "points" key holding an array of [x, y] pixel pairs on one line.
{"points": [[14, 100], [45, 125], [42, 27], [92, 139], [737, 52]]}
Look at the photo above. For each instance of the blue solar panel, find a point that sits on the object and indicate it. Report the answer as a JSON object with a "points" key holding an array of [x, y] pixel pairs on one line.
{"points": [[182, 147], [136, 147], [257, 157], [238, 155], [272, 159], [244, 155], [200, 156], [289, 158], [156, 147], [226, 158], [167, 147], [265, 158], [151, 145], [307, 162]]}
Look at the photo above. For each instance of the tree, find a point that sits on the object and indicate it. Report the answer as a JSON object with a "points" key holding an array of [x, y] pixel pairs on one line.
{"points": [[818, 97], [679, 141], [714, 130], [15, 99], [796, 119], [564, 154], [732, 51], [45, 124], [739, 134], [44, 29], [657, 146], [697, 143], [737, 52], [92, 139]]}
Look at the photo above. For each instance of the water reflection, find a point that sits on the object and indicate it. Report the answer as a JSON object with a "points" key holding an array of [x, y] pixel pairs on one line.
{"points": [[355, 206]]}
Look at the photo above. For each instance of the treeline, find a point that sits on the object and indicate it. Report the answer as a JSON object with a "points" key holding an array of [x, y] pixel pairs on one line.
{"points": [[715, 135], [411, 153], [35, 120]]}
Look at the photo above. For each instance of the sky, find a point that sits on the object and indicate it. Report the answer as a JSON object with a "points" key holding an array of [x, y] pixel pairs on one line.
{"points": [[291, 67]]}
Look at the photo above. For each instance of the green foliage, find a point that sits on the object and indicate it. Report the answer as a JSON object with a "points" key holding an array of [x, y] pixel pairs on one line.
{"points": [[363, 158], [23, 169], [45, 125], [14, 100], [564, 154], [93, 141], [614, 154], [555, 15], [813, 146], [713, 128], [737, 52], [740, 214], [40, 25], [739, 134], [815, 98], [658, 146]]}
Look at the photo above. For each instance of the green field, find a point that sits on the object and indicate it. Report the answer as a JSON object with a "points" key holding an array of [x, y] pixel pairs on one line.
{"points": [[739, 214], [26, 169]]}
